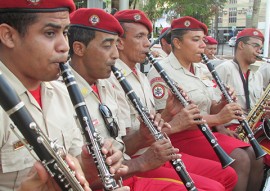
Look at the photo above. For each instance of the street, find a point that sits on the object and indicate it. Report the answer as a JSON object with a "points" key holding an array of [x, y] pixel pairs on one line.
{"points": [[225, 51]]}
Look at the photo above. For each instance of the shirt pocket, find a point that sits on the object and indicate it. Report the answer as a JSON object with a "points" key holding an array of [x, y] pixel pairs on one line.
{"points": [[15, 158]]}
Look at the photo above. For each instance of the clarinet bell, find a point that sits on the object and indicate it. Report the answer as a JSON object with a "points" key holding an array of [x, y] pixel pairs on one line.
{"points": [[259, 152], [224, 158]]}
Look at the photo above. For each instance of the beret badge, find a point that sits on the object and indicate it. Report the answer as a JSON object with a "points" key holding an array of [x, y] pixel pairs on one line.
{"points": [[137, 17], [255, 33], [187, 23], [34, 2], [94, 19]]}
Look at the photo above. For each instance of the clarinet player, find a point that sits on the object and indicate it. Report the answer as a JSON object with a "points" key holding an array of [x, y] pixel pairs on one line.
{"points": [[183, 65], [93, 38], [132, 47]]}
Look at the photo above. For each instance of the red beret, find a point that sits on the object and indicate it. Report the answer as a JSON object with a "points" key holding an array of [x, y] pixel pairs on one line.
{"points": [[96, 19], [250, 32], [210, 40], [188, 23], [35, 6], [133, 15], [164, 29]]}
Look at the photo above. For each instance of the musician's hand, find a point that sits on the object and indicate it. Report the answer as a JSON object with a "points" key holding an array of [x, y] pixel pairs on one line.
{"points": [[173, 105], [232, 94], [39, 180], [159, 124], [157, 154], [185, 119], [221, 129], [114, 158], [229, 112]]}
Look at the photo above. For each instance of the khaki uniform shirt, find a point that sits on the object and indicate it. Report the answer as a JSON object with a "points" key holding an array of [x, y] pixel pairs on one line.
{"points": [[229, 74], [113, 101], [264, 69], [141, 87], [56, 119], [198, 87]]}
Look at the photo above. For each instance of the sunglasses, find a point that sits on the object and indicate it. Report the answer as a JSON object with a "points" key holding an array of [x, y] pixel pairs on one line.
{"points": [[110, 123]]}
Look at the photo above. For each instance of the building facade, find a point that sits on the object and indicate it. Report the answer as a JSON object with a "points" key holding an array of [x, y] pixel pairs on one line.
{"points": [[235, 16]]}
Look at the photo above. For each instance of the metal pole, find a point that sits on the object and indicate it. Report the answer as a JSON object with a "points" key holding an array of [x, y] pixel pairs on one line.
{"points": [[266, 32]]}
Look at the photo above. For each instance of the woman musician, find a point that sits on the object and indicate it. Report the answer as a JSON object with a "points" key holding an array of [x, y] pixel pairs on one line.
{"points": [[187, 40]]}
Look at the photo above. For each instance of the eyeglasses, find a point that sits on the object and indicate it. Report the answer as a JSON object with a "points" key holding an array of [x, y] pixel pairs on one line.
{"points": [[255, 46], [110, 123]]}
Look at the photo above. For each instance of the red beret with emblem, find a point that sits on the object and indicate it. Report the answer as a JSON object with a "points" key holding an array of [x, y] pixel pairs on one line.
{"points": [[188, 23], [250, 32], [35, 6], [210, 40], [96, 19], [134, 16]]}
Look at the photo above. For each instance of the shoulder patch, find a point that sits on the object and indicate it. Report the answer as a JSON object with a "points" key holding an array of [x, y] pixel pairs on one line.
{"points": [[158, 91]]}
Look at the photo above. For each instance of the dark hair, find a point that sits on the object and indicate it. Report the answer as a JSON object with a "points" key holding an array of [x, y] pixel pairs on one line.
{"points": [[19, 21], [244, 39], [79, 34], [124, 28], [177, 34], [167, 38]]}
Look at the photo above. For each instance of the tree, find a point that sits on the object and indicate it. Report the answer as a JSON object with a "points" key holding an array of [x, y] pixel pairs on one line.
{"points": [[202, 10], [255, 14]]}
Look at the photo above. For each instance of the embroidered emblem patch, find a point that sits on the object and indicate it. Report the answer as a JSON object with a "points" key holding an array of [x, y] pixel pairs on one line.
{"points": [[137, 17], [187, 23], [94, 19], [158, 91]]}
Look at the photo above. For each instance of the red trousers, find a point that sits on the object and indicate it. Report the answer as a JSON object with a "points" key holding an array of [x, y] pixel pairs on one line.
{"points": [[207, 174], [193, 142], [149, 184]]}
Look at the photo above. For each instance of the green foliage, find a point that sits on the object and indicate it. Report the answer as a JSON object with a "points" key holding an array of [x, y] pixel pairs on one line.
{"points": [[202, 10], [154, 9]]}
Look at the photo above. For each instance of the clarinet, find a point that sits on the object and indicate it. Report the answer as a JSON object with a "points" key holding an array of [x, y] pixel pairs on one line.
{"points": [[49, 153], [92, 137], [259, 152], [224, 158], [177, 164]]}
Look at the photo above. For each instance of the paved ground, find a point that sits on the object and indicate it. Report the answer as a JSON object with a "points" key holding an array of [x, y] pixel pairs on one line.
{"points": [[225, 51]]}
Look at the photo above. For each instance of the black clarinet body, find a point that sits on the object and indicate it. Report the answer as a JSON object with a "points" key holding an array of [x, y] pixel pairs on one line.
{"points": [[224, 158], [49, 153], [259, 152], [92, 137], [143, 113]]}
